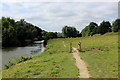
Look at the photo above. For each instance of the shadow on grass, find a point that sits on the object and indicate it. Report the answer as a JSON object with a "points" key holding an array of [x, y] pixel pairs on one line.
{"points": [[81, 51]]}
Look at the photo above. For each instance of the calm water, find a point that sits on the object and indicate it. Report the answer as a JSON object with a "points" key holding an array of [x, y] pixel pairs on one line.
{"points": [[16, 52]]}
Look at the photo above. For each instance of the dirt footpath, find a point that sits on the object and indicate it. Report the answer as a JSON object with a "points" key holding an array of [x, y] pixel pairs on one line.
{"points": [[83, 71]]}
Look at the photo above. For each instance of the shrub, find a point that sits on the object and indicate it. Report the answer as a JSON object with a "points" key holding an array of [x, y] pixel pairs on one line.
{"points": [[11, 63], [21, 59], [6, 66]]}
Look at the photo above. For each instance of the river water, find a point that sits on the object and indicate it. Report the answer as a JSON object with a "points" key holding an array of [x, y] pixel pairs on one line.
{"points": [[16, 52]]}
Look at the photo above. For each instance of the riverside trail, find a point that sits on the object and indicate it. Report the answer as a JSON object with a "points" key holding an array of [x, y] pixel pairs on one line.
{"points": [[83, 71]]}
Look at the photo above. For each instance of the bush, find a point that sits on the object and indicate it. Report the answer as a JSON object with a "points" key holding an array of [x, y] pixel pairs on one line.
{"points": [[11, 63], [6, 66], [21, 59]]}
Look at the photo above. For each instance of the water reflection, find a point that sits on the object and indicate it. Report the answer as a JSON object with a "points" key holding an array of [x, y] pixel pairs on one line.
{"points": [[15, 52]]}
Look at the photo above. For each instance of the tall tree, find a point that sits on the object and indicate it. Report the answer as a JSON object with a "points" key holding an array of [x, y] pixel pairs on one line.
{"points": [[50, 35], [18, 33], [69, 31], [89, 30], [104, 27], [39, 33], [116, 25], [59, 35], [9, 36]]}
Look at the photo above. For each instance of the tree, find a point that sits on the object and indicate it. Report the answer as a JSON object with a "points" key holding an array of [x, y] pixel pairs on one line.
{"points": [[5, 22], [92, 27], [19, 33], [50, 35], [79, 35], [44, 33], [59, 35], [116, 25], [104, 27], [27, 31], [69, 31], [9, 36], [39, 33], [11, 21], [21, 30], [89, 30]]}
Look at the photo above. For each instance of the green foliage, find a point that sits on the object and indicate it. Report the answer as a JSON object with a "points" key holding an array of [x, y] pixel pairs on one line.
{"points": [[8, 32], [25, 31], [100, 54], [93, 29], [57, 62], [22, 59], [10, 63], [16, 33], [69, 31], [59, 35], [116, 25], [20, 32], [6, 66], [39, 33], [54, 62], [111, 34], [19, 60], [50, 35], [44, 33], [89, 30], [104, 27]]}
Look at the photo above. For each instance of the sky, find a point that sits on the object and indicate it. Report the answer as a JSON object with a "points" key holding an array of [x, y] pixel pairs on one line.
{"points": [[55, 14]]}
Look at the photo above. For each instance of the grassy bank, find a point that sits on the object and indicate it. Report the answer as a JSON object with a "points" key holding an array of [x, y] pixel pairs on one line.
{"points": [[55, 61], [99, 52]]}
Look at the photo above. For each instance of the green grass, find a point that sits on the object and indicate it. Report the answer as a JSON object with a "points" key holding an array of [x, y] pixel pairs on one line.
{"points": [[112, 33], [99, 52], [101, 55], [54, 62]]}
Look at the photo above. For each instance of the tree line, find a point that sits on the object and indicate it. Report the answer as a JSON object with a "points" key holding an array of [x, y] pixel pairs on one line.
{"points": [[101, 29], [92, 29], [21, 33]]}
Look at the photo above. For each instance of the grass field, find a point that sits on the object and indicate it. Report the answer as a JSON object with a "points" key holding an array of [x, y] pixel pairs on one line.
{"points": [[55, 61], [101, 55], [99, 52]]}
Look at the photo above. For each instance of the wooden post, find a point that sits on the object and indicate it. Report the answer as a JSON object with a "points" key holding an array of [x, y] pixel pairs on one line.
{"points": [[70, 47], [79, 46]]}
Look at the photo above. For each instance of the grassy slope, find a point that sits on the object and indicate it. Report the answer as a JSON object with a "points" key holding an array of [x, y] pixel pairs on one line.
{"points": [[101, 57], [55, 61]]}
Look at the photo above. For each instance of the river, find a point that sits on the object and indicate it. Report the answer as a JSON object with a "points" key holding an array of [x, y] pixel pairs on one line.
{"points": [[16, 52]]}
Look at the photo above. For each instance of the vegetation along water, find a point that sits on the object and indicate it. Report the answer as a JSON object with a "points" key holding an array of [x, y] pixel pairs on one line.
{"points": [[99, 44]]}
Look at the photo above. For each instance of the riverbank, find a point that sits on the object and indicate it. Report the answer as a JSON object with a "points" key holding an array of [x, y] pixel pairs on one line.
{"points": [[13, 53], [55, 61], [100, 53]]}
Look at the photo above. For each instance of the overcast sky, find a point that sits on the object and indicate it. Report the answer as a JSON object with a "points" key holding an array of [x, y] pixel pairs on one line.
{"points": [[52, 16]]}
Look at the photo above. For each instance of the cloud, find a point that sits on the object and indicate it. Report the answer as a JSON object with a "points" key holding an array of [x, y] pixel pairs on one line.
{"points": [[52, 16], [9, 1]]}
